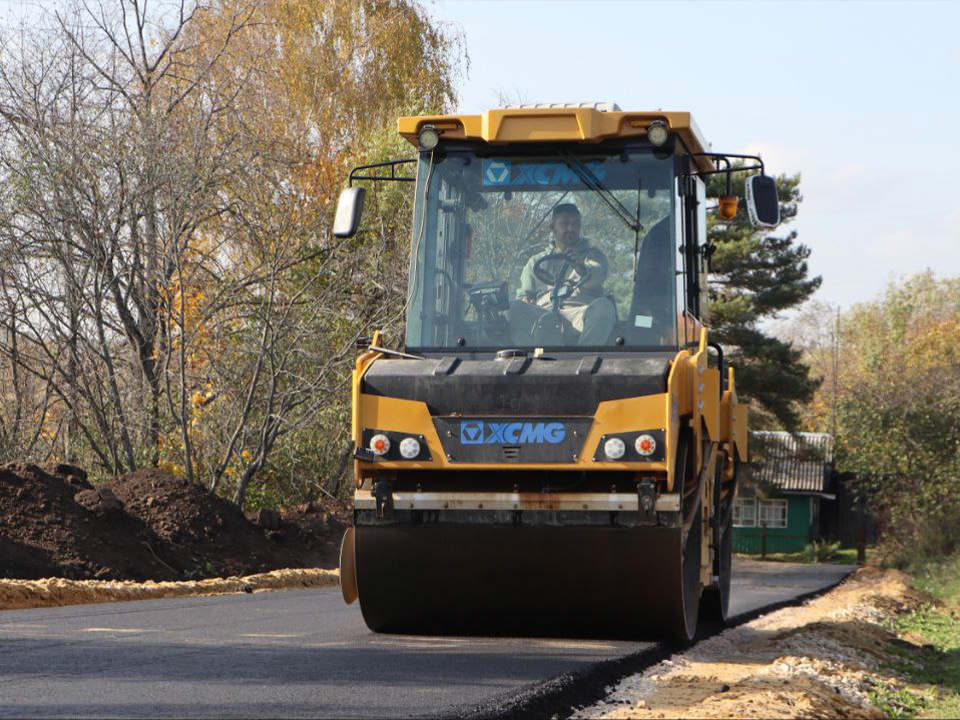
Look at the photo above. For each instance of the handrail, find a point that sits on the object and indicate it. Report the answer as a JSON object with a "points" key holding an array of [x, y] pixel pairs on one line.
{"points": [[392, 164]]}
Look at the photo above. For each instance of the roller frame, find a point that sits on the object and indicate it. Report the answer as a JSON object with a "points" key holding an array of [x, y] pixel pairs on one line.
{"points": [[609, 502], [562, 564]]}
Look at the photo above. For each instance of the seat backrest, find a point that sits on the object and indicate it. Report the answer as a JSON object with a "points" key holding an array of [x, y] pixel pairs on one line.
{"points": [[654, 288]]}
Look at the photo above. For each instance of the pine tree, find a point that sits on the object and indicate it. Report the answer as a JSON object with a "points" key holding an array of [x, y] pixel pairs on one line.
{"points": [[755, 276]]}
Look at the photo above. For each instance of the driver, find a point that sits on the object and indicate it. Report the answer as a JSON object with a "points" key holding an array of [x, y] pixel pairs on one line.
{"points": [[586, 310]]}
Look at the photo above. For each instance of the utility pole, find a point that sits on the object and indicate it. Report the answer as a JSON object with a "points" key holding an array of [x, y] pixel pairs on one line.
{"points": [[836, 371], [861, 499]]}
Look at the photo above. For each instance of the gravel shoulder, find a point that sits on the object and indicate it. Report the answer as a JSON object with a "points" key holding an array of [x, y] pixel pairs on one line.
{"points": [[57, 592], [827, 658]]}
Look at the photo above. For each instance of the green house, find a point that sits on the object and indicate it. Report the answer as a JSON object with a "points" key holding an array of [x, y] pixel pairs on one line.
{"points": [[778, 504]]}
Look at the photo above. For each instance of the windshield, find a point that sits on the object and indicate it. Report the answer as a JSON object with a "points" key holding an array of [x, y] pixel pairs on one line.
{"points": [[556, 250]]}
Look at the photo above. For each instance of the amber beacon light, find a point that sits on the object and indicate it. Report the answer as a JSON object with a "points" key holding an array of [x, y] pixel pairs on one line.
{"points": [[728, 206]]}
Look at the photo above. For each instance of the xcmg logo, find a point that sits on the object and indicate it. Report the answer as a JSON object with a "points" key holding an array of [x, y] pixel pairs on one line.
{"points": [[478, 432], [505, 173]]}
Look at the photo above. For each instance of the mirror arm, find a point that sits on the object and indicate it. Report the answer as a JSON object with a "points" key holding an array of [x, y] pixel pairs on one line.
{"points": [[726, 162], [725, 158], [392, 164]]}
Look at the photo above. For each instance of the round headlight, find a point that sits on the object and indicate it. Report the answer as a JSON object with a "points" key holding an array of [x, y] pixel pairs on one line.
{"points": [[379, 444], [645, 445], [409, 448], [657, 133], [428, 137], [614, 448]]}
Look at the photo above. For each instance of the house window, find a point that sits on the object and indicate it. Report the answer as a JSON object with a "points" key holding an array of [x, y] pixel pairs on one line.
{"points": [[773, 513], [744, 512]]}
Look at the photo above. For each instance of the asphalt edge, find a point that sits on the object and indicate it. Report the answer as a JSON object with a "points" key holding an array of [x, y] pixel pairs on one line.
{"points": [[559, 697]]}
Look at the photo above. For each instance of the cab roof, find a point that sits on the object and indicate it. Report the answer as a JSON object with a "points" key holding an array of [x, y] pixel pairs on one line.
{"points": [[583, 123]]}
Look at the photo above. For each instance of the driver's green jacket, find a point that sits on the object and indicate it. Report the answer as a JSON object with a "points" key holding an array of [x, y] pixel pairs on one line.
{"points": [[592, 257]]}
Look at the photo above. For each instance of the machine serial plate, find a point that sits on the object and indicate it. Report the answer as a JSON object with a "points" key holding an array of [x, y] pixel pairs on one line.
{"points": [[512, 439]]}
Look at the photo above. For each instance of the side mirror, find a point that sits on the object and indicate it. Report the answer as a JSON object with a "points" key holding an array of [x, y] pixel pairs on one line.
{"points": [[349, 210], [763, 205]]}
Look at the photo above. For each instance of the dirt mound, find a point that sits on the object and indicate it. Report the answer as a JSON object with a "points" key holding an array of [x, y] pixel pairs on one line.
{"points": [[149, 525], [313, 531], [45, 531], [209, 535]]}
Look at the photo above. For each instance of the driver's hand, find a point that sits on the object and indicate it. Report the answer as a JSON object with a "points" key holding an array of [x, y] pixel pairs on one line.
{"points": [[529, 300]]}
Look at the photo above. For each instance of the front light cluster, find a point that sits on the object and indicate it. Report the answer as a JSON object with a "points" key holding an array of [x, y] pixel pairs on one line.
{"points": [[614, 448], [643, 446], [388, 445], [409, 448], [380, 444]]}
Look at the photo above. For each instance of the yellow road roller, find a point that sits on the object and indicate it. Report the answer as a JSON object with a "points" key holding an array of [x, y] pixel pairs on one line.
{"points": [[554, 450]]}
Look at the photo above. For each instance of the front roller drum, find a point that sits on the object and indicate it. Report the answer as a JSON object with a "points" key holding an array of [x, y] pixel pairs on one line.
{"points": [[559, 581]]}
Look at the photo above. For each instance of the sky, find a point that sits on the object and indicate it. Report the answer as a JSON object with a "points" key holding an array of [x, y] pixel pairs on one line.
{"points": [[861, 99]]}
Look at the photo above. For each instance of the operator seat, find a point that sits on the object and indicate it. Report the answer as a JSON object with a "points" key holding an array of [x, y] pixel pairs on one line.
{"points": [[652, 302]]}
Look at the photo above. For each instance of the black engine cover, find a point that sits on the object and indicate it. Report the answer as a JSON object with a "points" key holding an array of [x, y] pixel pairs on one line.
{"points": [[563, 385]]}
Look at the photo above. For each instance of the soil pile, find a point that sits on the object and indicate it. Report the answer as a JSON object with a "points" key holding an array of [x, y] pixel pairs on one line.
{"points": [[149, 525], [46, 531], [208, 535], [313, 531]]}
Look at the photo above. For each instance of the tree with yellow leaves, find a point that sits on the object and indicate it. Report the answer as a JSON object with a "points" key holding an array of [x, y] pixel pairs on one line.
{"points": [[894, 395], [170, 179]]}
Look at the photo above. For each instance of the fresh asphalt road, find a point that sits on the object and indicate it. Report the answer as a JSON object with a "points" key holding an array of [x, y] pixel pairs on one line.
{"points": [[290, 654]]}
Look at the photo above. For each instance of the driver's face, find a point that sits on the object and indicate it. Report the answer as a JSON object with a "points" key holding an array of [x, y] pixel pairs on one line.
{"points": [[566, 230]]}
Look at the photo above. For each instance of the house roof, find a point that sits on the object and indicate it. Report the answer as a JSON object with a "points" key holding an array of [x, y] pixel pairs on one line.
{"points": [[791, 462]]}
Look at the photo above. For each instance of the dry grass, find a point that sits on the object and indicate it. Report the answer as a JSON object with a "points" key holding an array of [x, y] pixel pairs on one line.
{"points": [[826, 658]]}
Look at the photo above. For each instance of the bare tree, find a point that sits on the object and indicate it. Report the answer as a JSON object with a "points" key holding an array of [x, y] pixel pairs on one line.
{"points": [[169, 295], [113, 143]]}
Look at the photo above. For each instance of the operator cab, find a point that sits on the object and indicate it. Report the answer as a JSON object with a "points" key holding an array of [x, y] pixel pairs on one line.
{"points": [[489, 271], [596, 243]]}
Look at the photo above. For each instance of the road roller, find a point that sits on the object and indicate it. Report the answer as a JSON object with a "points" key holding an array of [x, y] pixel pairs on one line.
{"points": [[554, 446]]}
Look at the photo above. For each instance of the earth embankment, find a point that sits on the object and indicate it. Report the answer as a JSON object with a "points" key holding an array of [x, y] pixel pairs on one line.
{"points": [[149, 525]]}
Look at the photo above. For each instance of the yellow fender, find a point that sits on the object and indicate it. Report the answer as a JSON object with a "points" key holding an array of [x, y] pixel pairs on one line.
{"points": [[733, 419]]}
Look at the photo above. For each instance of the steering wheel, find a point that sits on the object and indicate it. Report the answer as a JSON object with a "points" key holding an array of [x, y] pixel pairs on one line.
{"points": [[544, 275]]}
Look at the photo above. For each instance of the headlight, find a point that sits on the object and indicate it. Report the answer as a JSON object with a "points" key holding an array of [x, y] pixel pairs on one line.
{"points": [[409, 448], [392, 446], [657, 133], [379, 444], [645, 445], [614, 448], [428, 137], [636, 446]]}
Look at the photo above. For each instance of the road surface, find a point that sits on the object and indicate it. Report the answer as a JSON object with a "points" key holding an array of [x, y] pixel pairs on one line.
{"points": [[290, 654]]}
